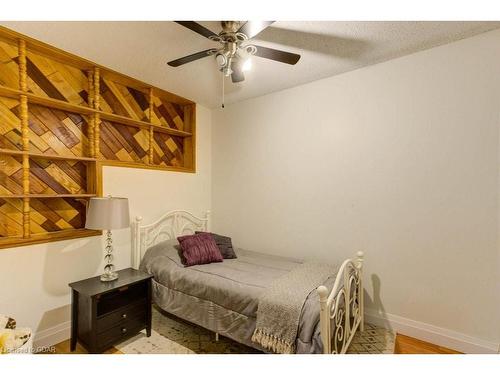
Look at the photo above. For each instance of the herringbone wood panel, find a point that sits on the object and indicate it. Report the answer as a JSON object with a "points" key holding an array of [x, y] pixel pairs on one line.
{"points": [[9, 69], [124, 143], [56, 132], [167, 114], [57, 176], [10, 124], [52, 79], [11, 171], [55, 214], [11, 217], [167, 150], [123, 101]]}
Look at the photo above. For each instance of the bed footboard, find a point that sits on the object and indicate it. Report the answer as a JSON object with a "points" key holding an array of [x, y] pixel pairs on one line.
{"points": [[342, 310]]}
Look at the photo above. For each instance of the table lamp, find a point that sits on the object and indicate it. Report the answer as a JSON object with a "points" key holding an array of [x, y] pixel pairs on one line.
{"points": [[108, 213]]}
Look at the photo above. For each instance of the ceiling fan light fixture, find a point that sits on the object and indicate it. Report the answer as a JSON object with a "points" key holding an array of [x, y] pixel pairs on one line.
{"points": [[247, 65]]}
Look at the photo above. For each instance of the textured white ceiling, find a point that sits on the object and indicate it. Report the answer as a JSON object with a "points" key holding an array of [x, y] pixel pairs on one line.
{"points": [[141, 50]]}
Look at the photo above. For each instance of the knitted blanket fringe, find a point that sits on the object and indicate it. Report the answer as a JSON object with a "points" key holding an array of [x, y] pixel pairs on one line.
{"points": [[280, 306], [270, 342]]}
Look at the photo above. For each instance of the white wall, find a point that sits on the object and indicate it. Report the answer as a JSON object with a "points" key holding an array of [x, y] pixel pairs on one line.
{"points": [[34, 279], [400, 160]]}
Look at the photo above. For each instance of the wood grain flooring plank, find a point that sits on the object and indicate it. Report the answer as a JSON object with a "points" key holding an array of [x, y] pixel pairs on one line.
{"points": [[410, 345]]}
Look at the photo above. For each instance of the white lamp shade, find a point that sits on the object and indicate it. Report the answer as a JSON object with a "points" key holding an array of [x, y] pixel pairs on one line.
{"points": [[107, 213]]}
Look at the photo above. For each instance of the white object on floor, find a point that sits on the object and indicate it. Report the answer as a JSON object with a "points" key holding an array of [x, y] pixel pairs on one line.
{"points": [[27, 348]]}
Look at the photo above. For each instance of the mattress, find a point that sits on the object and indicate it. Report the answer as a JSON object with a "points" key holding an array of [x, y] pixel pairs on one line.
{"points": [[223, 297]]}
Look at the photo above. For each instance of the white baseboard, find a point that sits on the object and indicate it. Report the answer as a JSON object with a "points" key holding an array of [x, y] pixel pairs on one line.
{"points": [[422, 331], [433, 334], [52, 335]]}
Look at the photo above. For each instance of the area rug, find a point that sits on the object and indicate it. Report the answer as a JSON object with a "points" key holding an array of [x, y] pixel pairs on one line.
{"points": [[171, 335]]}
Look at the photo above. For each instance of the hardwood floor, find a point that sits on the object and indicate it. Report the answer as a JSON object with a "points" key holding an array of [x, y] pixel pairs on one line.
{"points": [[404, 345], [410, 345]]}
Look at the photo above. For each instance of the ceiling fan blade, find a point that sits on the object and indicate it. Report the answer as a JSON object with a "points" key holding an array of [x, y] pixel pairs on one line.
{"points": [[197, 28], [237, 75], [277, 55], [252, 28], [193, 57]]}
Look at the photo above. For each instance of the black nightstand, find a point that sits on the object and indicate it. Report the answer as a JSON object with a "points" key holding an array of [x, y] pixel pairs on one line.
{"points": [[105, 313]]}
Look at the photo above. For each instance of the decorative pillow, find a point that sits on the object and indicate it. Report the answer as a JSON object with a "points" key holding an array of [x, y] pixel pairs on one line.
{"points": [[224, 244], [199, 249]]}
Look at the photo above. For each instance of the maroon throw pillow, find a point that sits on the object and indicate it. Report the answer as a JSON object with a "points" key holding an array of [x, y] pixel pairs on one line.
{"points": [[199, 249]]}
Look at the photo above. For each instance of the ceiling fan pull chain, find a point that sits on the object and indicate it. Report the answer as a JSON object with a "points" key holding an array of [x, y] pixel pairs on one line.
{"points": [[222, 74]]}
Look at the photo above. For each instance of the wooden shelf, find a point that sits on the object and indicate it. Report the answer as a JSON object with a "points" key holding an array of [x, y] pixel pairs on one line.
{"points": [[45, 156], [65, 106], [21, 196], [61, 157], [67, 234], [58, 104], [10, 92], [131, 164], [4, 151], [45, 101], [142, 124]]}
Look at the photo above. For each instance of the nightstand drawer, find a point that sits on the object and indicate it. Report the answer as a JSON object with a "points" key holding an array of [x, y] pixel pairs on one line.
{"points": [[122, 315], [115, 300], [121, 331]]}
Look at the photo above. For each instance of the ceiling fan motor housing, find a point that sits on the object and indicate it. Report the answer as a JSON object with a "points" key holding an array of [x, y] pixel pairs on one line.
{"points": [[231, 26]]}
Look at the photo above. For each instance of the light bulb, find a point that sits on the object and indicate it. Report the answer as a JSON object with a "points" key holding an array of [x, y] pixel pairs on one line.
{"points": [[247, 65]]}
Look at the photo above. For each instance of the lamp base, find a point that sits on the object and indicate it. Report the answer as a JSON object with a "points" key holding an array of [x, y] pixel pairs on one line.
{"points": [[109, 273], [109, 276]]}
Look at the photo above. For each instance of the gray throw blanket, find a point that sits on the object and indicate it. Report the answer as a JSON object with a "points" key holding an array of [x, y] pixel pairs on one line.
{"points": [[280, 306]]}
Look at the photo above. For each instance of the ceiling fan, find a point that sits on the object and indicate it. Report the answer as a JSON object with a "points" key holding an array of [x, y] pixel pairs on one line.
{"points": [[233, 57]]}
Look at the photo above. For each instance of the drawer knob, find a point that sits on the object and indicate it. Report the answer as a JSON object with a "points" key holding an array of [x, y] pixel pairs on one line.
{"points": [[124, 330], [124, 316]]}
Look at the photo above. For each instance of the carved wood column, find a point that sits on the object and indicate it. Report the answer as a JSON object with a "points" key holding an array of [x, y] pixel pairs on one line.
{"points": [[23, 99], [91, 128], [97, 116]]}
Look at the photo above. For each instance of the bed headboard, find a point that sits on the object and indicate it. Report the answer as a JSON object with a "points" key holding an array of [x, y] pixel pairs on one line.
{"points": [[169, 226]]}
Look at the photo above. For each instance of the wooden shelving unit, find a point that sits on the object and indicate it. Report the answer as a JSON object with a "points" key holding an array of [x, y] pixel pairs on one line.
{"points": [[68, 117], [45, 156], [75, 108], [142, 124]]}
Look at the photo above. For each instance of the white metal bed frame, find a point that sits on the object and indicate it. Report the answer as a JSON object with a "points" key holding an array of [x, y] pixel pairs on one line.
{"points": [[341, 309]]}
